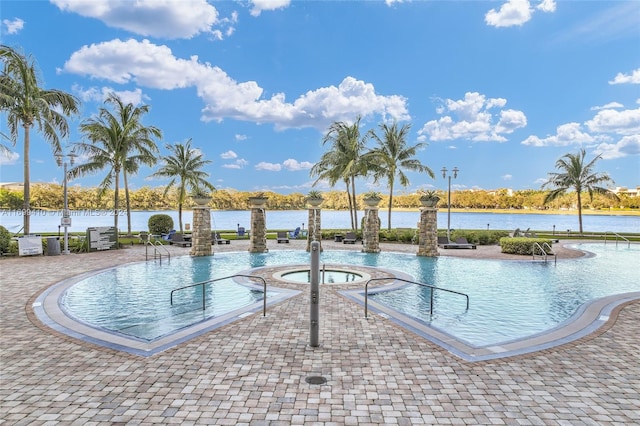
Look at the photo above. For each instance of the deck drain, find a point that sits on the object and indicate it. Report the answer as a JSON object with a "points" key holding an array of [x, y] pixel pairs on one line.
{"points": [[316, 380]]}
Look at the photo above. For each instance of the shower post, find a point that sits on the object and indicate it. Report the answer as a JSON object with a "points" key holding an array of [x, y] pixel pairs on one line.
{"points": [[314, 314]]}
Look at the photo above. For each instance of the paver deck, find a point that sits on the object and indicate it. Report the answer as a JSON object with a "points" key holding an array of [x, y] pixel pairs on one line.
{"points": [[253, 371]]}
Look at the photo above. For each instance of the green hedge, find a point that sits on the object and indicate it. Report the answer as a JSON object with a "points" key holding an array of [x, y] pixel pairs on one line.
{"points": [[160, 224], [521, 245]]}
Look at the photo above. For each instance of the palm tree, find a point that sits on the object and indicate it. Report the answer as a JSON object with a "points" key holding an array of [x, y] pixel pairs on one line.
{"points": [[184, 166], [578, 176], [119, 142], [343, 161], [392, 157], [27, 104], [139, 146]]}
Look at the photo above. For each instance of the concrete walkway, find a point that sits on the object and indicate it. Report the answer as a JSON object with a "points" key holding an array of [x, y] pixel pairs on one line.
{"points": [[253, 371]]}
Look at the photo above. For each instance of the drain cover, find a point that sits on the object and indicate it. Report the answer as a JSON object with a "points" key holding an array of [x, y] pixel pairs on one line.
{"points": [[315, 380]]}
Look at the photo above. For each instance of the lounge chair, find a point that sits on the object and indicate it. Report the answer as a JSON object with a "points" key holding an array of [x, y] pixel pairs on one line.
{"points": [[281, 237], [217, 239], [167, 237], [242, 233], [462, 242], [443, 241], [295, 233], [179, 240], [349, 238]]}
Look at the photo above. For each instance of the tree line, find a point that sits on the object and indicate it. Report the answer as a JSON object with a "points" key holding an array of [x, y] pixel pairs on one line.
{"points": [[50, 197]]}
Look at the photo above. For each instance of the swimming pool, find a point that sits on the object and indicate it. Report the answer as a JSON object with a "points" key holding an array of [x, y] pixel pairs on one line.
{"points": [[509, 300]]}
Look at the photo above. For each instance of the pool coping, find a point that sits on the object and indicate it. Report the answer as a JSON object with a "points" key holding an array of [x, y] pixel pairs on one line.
{"points": [[587, 319], [48, 311]]}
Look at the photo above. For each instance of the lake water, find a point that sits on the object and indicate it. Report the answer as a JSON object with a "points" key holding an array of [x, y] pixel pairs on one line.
{"points": [[48, 221]]}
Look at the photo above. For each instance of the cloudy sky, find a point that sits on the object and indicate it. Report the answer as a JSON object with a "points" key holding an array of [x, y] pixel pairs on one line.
{"points": [[499, 89]]}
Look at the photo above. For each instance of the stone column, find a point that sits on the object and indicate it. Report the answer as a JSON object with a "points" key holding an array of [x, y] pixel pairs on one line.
{"points": [[315, 230], [201, 234], [428, 232], [258, 232], [371, 231]]}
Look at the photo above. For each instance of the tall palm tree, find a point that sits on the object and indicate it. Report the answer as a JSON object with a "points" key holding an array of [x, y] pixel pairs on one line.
{"points": [[138, 144], [118, 142], [392, 157], [184, 166], [27, 104], [578, 176], [344, 160]]}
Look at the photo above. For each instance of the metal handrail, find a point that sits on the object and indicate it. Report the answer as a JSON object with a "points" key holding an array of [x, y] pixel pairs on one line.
{"points": [[155, 246], [203, 283], [432, 287], [543, 248], [617, 236]]}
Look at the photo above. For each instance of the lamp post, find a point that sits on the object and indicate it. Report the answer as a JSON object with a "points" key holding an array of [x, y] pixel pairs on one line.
{"points": [[444, 175], [61, 158]]}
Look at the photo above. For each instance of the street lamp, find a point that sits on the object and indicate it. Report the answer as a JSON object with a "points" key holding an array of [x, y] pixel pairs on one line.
{"points": [[61, 158], [444, 175]]}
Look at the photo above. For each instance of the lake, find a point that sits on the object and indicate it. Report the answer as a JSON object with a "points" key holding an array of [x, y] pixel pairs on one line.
{"points": [[48, 221]]}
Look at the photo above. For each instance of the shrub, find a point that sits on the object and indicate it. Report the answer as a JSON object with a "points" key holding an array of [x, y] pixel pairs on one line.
{"points": [[160, 224], [5, 239], [521, 245]]}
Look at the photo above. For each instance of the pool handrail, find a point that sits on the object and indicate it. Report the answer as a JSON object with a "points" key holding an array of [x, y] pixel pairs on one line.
{"points": [[616, 239], [155, 246], [545, 250], [204, 283], [432, 287]]}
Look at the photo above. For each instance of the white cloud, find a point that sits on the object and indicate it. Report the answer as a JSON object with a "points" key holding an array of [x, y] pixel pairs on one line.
{"points": [[516, 12], [241, 137], [607, 106], [633, 78], [507, 177], [625, 122], [260, 5], [240, 163], [566, 134], [95, 94], [628, 145], [295, 165], [155, 18], [229, 155], [474, 120], [8, 158], [155, 67], [13, 26], [270, 167]]}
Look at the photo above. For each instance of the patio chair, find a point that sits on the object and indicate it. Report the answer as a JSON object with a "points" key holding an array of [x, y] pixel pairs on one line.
{"points": [[349, 238], [179, 240], [167, 237], [242, 233], [281, 237], [217, 239], [462, 242], [295, 233], [443, 241]]}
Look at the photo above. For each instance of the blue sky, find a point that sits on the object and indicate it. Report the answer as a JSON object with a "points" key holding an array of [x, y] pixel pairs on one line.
{"points": [[499, 89]]}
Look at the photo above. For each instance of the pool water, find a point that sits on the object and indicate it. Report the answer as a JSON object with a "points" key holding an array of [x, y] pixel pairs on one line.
{"points": [[508, 300]]}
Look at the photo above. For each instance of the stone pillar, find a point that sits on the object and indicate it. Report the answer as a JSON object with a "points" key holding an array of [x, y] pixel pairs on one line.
{"points": [[371, 231], [428, 232], [201, 234], [315, 230], [258, 232]]}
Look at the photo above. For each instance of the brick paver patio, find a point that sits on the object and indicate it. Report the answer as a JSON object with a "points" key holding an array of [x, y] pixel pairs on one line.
{"points": [[253, 371]]}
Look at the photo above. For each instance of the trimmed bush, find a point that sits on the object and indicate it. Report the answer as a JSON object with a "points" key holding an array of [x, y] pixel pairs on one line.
{"points": [[521, 245], [160, 224], [5, 239]]}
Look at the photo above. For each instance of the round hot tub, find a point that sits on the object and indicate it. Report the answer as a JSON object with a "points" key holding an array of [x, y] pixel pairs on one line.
{"points": [[326, 276]]}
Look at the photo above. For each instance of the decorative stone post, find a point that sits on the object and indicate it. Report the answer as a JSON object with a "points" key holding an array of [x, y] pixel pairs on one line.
{"points": [[258, 232], [315, 228], [428, 232], [371, 227], [201, 234]]}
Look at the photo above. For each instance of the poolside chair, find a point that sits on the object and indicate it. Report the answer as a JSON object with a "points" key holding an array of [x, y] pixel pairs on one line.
{"points": [[217, 239], [179, 240], [349, 238], [281, 237], [242, 233], [443, 241], [167, 237], [462, 242], [295, 233]]}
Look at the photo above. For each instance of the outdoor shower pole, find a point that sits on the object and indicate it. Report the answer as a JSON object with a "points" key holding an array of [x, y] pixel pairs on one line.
{"points": [[314, 314], [455, 175]]}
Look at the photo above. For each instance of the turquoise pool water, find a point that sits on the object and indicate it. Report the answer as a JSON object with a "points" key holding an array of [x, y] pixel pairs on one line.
{"points": [[508, 300]]}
